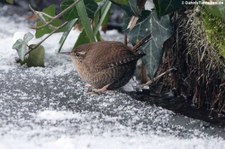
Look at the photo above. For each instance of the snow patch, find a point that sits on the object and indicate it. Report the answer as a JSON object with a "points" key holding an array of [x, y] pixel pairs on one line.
{"points": [[57, 115]]}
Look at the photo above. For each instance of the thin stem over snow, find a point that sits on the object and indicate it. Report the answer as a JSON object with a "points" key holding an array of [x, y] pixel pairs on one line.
{"points": [[37, 45], [55, 17]]}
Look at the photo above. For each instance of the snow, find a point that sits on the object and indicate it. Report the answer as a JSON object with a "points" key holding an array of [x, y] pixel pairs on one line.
{"points": [[99, 142], [48, 108], [57, 115]]}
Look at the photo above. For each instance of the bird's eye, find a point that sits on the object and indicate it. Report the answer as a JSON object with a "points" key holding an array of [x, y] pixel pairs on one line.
{"points": [[77, 55], [80, 54]]}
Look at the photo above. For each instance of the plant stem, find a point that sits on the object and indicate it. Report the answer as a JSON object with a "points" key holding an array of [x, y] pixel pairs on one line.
{"points": [[40, 15], [59, 15], [159, 76], [37, 45]]}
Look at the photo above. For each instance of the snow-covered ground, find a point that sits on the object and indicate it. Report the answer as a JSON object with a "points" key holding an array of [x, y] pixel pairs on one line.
{"points": [[47, 108]]}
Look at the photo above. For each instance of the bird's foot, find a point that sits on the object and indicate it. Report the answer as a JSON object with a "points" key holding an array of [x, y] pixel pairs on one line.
{"points": [[98, 91]]}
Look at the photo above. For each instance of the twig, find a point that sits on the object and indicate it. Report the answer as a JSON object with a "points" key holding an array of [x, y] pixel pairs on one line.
{"points": [[37, 45], [159, 76], [47, 15], [133, 22], [57, 16], [39, 15]]}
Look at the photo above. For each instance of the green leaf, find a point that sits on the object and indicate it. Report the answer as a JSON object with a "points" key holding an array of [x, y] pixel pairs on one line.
{"points": [[70, 14], [21, 48], [160, 30], [27, 37], [68, 28], [9, 1], [91, 7], [164, 7], [82, 39], [50, 10], [134, 7], [141, 29], [120, 2], [102, 12], [46, 30], [42, 31], [36, 57], [81, 10]]}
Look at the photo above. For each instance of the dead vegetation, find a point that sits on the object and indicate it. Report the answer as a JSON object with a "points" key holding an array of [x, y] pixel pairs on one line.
{"points": [[200, 69]]}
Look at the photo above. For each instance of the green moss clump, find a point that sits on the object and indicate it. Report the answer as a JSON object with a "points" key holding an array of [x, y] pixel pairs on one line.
{"points": [[214, 28]]}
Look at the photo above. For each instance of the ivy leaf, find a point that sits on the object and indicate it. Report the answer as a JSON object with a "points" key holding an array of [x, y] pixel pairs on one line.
{"points": [[36, 57], [160, 31], [141, 29], [45, 30], [68, 28], [91, 7], [27, 37], [9, 1], [70, 14], [21, 48], [82, 39], [21, 45], [120, 2], [164, 7], [134, 7]]}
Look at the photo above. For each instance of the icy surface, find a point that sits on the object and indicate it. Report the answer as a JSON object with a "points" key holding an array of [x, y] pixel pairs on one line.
{"points": [[48, 108]]}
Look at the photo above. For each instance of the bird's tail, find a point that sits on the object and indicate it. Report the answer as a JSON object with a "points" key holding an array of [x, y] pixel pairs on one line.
{"points": [[141, 43]]}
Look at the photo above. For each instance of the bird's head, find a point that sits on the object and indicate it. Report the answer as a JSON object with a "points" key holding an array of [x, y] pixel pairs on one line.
{"points": [[79, 54]]}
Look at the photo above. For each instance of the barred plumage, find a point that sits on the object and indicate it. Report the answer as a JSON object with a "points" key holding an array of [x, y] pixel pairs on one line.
{"points": [[105, 63]]}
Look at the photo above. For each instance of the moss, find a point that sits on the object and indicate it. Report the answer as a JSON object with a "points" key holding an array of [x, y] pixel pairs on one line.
{"points": [[214, 28]]}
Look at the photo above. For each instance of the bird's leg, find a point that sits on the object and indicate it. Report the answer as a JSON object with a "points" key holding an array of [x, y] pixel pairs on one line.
{"points": [[100, 90]]}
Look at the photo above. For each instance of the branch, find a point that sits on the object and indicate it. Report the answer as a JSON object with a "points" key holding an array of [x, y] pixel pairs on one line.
{"points": [[39, 14], [159, 76], [37, 45]]}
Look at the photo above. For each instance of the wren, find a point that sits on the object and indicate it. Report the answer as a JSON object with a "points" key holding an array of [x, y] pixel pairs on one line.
{"points": [[106, 65]]}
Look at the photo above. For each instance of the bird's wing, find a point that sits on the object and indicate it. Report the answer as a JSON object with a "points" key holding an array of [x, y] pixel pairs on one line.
{"points": [[110, 54]]}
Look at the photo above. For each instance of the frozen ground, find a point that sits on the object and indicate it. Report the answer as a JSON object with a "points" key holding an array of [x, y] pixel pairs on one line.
{"points": [[47, 108]]}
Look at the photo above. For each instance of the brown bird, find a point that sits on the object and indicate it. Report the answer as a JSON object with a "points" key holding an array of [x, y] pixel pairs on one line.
{"points": [[106, 65]]}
